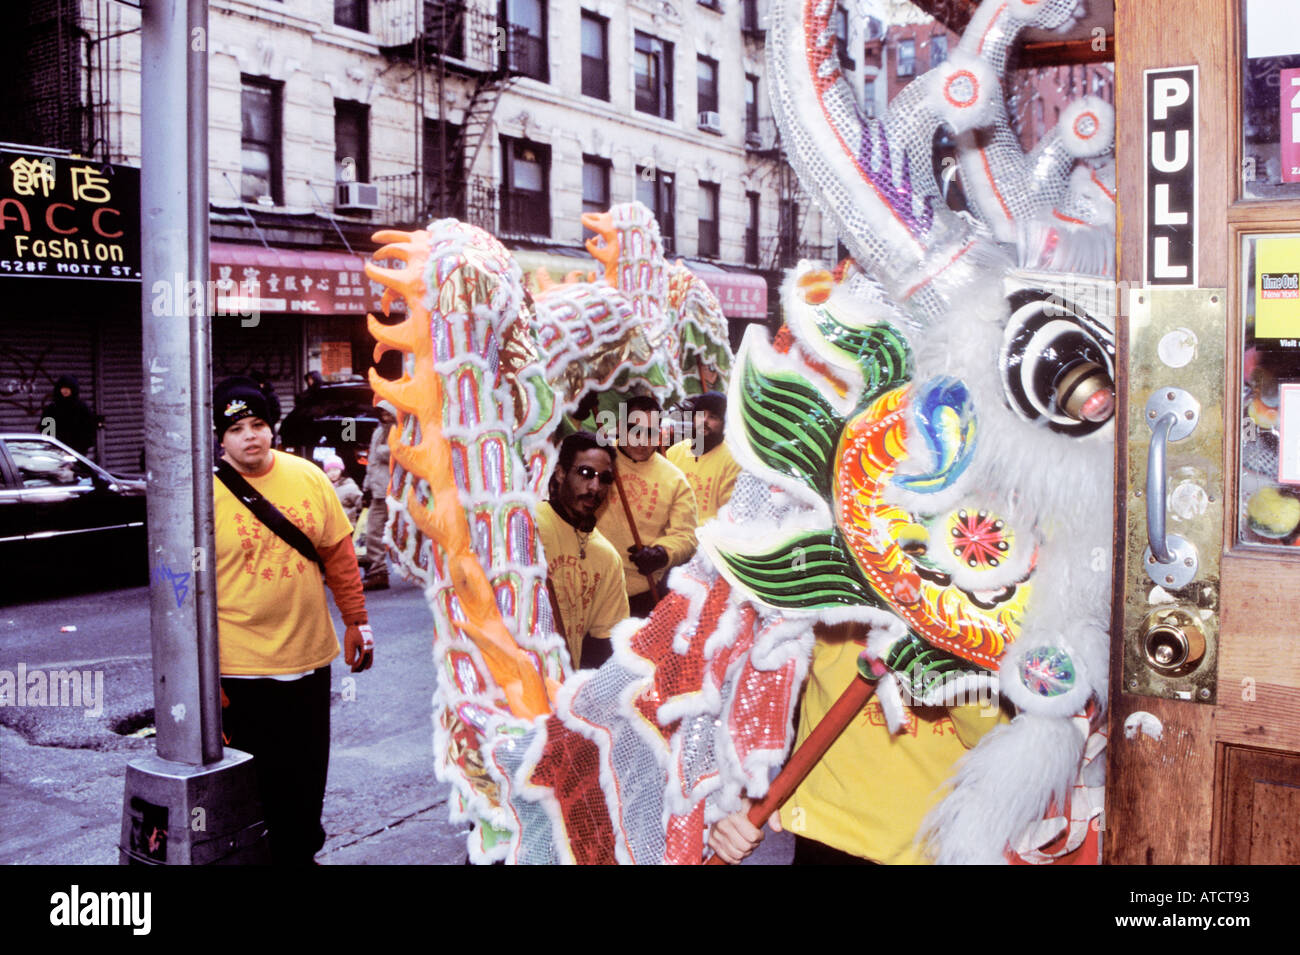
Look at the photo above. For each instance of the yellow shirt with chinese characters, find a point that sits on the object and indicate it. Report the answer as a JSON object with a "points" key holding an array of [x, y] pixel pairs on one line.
{"points": [[272, 615], [589, 590], [712, 476], [868, 795], [663, 506]]}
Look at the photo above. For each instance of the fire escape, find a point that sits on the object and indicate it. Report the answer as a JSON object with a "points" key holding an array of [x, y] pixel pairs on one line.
{"points": [[458, 57], [56, 58]]}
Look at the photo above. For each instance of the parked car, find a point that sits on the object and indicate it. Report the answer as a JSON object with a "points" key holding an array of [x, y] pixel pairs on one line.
{"points": [[65, 518], [333, 418]]}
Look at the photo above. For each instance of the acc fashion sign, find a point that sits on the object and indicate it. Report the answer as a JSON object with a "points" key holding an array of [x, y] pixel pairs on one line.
{"points": [[68, 218]]}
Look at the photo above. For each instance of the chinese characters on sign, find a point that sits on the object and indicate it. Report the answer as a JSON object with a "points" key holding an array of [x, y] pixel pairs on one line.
{"points": [[68, 218], [247, 279]]}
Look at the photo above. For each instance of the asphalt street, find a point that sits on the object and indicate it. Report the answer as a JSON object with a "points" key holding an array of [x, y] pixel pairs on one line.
{"points": [[62, 768]]}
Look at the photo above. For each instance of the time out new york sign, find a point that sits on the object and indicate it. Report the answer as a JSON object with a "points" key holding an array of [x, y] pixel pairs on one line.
{"points": [[68, 218]]}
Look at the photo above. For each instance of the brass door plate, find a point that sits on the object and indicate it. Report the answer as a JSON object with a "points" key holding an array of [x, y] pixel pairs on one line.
{"points": [[1176, 341]]}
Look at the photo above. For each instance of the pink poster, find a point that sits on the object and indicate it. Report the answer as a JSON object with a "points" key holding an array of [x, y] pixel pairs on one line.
{"points": [[1290, 87]]}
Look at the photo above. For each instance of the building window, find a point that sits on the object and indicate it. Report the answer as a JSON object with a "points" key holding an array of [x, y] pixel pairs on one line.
{"points": [[751, 229], [444, 170], [595, 188], [709, 192], [352, 13], [907, 58], [840, 24], [653, 76], [938, 49], [595, 56], [869, 96], [788, 212], [749, 19], [655, 189], [751, 106], [351, 141], [260, 134], [525, 187], [706, 93], [527, 56]]}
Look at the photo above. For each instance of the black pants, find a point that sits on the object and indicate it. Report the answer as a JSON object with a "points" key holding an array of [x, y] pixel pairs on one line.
{"points": [[595, 652], [642, 604], [285, 726], [811, 852]]}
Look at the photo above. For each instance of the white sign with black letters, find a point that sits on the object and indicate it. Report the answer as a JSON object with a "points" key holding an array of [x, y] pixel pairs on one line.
{"points": [[1170, 117]]}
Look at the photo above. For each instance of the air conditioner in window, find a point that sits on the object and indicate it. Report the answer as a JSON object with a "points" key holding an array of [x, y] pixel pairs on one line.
{"points": [[356, 195], [754, 139], [710, 121]]}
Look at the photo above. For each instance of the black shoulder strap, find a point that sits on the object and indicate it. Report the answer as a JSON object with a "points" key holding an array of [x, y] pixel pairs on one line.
{"points": [[267, 513]]}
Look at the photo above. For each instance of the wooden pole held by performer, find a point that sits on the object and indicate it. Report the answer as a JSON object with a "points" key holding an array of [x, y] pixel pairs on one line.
{"points": [[836, 720], [636, 535]]}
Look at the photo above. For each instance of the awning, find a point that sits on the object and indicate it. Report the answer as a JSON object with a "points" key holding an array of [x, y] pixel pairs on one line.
{"points": [[251, 278], [742, 295]]}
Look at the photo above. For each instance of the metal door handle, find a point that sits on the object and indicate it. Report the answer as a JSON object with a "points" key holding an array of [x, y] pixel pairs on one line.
{"points": [[1156, 488], [1170, 560]]}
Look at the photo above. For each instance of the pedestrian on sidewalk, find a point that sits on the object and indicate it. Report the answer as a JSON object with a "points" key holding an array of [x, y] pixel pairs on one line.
{"points": [[346, 488], [281, 538], [376, 498]]}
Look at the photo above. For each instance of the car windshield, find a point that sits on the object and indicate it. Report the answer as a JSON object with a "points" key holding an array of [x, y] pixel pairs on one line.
{"points": [[43, 463]]}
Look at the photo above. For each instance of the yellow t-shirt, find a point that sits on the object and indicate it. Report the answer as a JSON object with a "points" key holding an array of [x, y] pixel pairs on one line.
{"points": [[712, 476], [272, 615], [663, 506], [589, 590], [868, 795]]}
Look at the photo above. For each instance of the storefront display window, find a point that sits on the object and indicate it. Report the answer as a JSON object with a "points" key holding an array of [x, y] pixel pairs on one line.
{"points": [[1270, 100], [1269, 464]]}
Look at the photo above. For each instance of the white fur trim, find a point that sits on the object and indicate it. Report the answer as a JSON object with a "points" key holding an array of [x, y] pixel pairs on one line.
{"points": [[1000, 788], [964, 92], [1087, 127]]}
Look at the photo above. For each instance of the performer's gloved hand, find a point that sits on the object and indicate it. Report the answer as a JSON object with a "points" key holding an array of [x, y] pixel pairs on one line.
{"points": [[648, 559], [359, 647]]}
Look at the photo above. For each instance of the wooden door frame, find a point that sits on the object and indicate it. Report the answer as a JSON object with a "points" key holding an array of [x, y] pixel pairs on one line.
{"points": [[1181, 819]]}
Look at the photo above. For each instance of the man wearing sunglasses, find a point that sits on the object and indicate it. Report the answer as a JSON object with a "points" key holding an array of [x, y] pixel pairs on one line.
{"points": [[661, 534], [703, 456], [584, 571]]}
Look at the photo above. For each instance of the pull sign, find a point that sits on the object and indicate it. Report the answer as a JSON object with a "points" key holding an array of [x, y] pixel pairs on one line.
{"points": [[1290, 84], [1171, 201]]}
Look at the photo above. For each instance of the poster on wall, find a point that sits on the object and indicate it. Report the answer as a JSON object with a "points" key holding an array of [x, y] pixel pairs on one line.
{"points": [[1288, 453], [1277, 289], [1289, 85]]}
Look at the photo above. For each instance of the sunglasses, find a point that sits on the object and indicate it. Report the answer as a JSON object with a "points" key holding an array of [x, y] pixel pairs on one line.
{"points": [[587, 473]]}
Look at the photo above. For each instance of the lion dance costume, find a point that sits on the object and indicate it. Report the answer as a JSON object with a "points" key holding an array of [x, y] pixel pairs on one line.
{"points": [[927, 452]]}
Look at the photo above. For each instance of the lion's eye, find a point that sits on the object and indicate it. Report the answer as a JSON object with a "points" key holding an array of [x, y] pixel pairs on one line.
{"points": [[1058, 365]]}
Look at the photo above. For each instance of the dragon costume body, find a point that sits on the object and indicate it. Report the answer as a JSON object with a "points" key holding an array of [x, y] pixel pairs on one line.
{"points": [[927, 451]]}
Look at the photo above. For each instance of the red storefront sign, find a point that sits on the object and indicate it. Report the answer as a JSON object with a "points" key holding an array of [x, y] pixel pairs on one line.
{"points": [[741, 296], [251, 279]]}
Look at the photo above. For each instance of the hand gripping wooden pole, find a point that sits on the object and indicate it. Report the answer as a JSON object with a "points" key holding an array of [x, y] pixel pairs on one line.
{"points": [[636, 536], [826, 732]]}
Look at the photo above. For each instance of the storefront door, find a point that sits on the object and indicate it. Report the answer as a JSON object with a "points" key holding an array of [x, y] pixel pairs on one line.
{"points": [[1205, 676]]}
